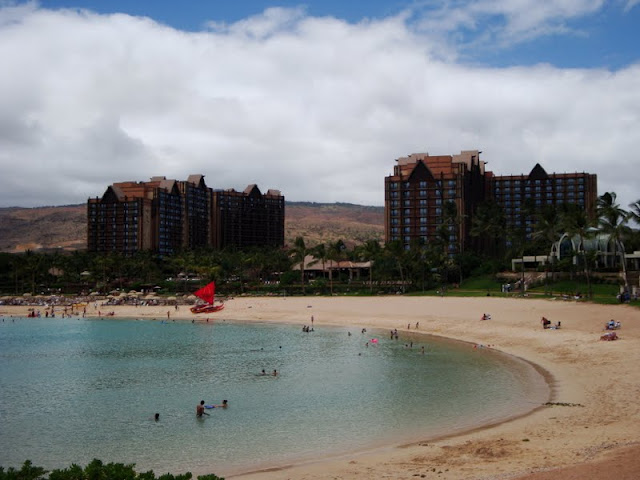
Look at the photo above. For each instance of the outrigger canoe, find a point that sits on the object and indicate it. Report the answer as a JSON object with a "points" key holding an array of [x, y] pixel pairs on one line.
{"points": [[207, 294]]}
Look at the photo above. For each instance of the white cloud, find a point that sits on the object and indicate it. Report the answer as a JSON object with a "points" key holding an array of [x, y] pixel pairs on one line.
{"points": [[315, 107]]}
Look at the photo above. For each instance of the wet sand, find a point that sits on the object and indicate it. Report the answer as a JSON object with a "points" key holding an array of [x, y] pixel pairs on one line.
{"points": [[591, 431]]}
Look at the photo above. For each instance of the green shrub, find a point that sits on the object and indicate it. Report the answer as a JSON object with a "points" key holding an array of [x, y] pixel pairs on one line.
{"points": [[96, 470]]}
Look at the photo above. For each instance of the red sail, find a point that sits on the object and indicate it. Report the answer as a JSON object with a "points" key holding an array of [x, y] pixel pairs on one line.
{"points": [[207, 293]]}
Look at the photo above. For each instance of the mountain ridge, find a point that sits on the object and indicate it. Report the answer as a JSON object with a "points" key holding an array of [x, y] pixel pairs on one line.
{"points": [[65, 226]]}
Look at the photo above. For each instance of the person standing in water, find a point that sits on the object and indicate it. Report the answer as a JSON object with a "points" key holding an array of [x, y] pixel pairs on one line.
{"points": [[200, 409]]}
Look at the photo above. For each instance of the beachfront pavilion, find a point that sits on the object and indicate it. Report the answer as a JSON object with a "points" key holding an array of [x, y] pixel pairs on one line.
{"points": [[316, 268]]}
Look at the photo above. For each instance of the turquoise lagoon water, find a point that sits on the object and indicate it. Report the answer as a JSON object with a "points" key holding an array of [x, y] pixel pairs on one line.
{"points": [[72, 390]]}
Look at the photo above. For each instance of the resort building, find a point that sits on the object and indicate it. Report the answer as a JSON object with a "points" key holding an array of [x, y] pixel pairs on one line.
{"points": [[247, 218], [432, 199], [521, 196], [164, 216]]}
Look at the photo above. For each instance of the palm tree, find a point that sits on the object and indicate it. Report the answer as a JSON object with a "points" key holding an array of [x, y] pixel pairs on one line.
{"points": [[300, 252], [576, 222], [335, 253], [396, 251], [488, 225], [634, 213], [613, 219], [548, 229], [321, 254], [369, 251]]}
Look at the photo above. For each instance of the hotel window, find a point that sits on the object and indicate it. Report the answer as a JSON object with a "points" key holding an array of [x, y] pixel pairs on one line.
{"points": [[407, 211], [395, 203], [451, 193], [407, 229], [438, 211], [406, 193], [394, 194], [393, 185], [394, 238], [394, 221], [407, 238], [423, 229], [422, 184], [438, 201], [394, 229], [407, 203], [423, 220], [407, 221], [422, 202], [423, 193], [422, 211], [406, 185]]}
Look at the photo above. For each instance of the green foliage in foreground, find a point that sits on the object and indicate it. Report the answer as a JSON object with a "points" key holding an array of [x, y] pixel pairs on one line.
{"points": [[96, 470]]}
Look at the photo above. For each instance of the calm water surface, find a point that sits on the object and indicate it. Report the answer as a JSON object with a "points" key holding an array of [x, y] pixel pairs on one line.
{"points": [[72, 390]]}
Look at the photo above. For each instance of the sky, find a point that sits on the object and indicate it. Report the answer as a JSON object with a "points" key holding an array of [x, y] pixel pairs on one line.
{"points": [[315, 99]]}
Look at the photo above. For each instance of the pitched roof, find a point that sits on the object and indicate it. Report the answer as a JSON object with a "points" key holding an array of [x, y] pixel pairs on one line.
{"points": [[538, 173]]}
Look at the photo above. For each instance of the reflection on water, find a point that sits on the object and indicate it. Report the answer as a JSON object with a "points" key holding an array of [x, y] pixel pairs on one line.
{"points": [[72, 390]]}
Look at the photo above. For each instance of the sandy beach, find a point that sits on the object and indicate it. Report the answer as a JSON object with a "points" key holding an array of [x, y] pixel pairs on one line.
{"points": [[590, 431]]}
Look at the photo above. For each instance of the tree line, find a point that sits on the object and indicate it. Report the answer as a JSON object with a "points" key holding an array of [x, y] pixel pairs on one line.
{"points": [[395, 268]]}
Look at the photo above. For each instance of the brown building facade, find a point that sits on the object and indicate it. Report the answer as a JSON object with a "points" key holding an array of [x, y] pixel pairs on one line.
{"points": [[432, 198], [520, 196], [248, 218], [167, 215]]}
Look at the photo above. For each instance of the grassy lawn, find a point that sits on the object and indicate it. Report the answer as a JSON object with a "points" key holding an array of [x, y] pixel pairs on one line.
{"points": [[481, 286]]}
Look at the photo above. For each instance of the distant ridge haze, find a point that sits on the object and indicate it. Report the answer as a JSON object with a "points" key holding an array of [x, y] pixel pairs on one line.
{"points": [[65, 226]]}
